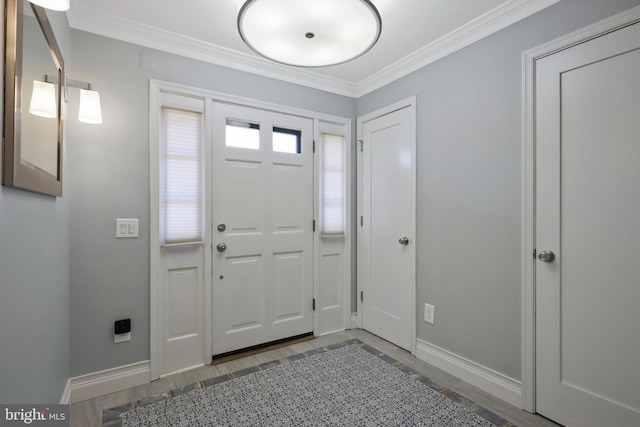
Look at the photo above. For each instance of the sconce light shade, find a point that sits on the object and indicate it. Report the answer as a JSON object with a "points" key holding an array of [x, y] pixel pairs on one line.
{"points": [[59, 5], [311, 33], [90, 111], [43, 100]]}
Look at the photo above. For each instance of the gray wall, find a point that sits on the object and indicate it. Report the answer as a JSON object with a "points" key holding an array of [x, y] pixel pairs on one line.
{"points": [[34, 285], [469, 183], [109, 277], [468, 204]]}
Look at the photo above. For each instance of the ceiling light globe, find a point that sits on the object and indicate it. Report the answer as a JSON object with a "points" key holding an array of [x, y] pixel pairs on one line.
{"points": [[310, 33]]}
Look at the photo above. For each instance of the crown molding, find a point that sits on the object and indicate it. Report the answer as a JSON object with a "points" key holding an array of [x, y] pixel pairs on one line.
{"points": [[155, 38], [84, 19], [475, 30]]}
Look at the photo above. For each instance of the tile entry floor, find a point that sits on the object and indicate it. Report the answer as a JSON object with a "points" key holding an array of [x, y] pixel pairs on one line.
{"points": [[90, 412]]}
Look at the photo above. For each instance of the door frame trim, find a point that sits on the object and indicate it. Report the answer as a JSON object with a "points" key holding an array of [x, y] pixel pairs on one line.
{"points": [[409, 102], [528, 279], [155, 89]]}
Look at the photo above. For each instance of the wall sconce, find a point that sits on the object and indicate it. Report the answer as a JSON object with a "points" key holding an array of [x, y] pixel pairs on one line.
{"points": [[89, 110], [59, 5]]}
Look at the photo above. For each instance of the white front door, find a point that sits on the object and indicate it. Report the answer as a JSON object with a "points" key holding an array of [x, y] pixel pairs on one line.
{"points": [[387, 225], [262, 227], [587, 213]]}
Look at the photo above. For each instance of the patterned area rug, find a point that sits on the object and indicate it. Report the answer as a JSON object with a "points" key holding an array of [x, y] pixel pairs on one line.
{"points": [[349, 384]]}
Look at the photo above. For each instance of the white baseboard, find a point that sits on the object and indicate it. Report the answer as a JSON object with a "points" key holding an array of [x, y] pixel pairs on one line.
{"points": [[66, 394], [492, 382], [108, 381], [354, 321]]}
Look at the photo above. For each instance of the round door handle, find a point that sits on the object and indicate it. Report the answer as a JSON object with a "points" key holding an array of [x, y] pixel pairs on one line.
{"points": [[404, 241], [546, 256], [221, 247]]}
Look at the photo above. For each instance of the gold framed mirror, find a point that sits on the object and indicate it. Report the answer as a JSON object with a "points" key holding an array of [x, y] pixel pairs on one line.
{"points": [[32, 143]]}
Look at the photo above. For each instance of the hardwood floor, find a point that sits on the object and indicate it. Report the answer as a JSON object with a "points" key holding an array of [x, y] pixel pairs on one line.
{"points": [[89, 412]]}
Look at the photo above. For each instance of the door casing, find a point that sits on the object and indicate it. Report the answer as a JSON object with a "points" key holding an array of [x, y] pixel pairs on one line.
{"points": [[528, 279]]}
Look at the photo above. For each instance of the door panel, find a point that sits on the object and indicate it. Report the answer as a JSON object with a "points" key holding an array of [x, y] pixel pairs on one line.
{"points": [[288, 296], [244, 289], [289, 202], [388, 277], [263, 277], [588, 203], [331, 265], [182, 289], [181, 295], [244, 195]]}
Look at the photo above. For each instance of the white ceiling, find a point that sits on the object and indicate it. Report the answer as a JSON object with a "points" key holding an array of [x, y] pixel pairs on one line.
{"points": [[414, 33]]}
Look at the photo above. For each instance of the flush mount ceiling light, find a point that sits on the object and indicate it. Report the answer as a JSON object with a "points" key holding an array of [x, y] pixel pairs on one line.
{"points": [[309, 33]]}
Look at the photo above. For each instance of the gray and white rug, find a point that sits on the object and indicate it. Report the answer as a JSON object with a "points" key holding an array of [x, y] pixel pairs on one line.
{"points": [[353, 385]]}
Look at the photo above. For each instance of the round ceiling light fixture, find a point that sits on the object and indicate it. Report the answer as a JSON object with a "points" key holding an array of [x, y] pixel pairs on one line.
{"points": [[309, 33]]}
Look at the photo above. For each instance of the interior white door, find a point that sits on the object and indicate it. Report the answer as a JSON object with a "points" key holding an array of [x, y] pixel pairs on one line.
{"points": [[262, 227], [588, 205], [387, 235]]}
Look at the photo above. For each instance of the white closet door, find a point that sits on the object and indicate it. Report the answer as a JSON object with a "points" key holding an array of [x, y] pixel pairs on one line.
{"points": [[588, 205], [387, 228]]}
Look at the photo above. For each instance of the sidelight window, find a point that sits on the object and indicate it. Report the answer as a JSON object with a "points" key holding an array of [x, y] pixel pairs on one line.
{"points": [[182, 171], [332, 185]]}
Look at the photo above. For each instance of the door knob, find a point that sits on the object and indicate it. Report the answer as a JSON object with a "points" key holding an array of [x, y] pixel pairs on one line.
{"points": [[404, 241], [546, 256], [221, 247]]}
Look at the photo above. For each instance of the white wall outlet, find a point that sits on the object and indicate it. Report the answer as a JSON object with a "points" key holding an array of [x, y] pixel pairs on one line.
{"points": [[429, 313], [126, 228]]}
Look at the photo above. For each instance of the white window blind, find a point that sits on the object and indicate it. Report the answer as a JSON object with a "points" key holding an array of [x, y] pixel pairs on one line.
{"points": [[182, 172], [332, 185]]}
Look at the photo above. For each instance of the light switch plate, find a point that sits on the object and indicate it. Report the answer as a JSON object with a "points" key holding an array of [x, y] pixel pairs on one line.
{"points": [[127, 228]]}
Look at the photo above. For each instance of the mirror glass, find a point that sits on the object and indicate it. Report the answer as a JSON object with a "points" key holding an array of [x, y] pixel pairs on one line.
{"points": [[39, 135]]}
